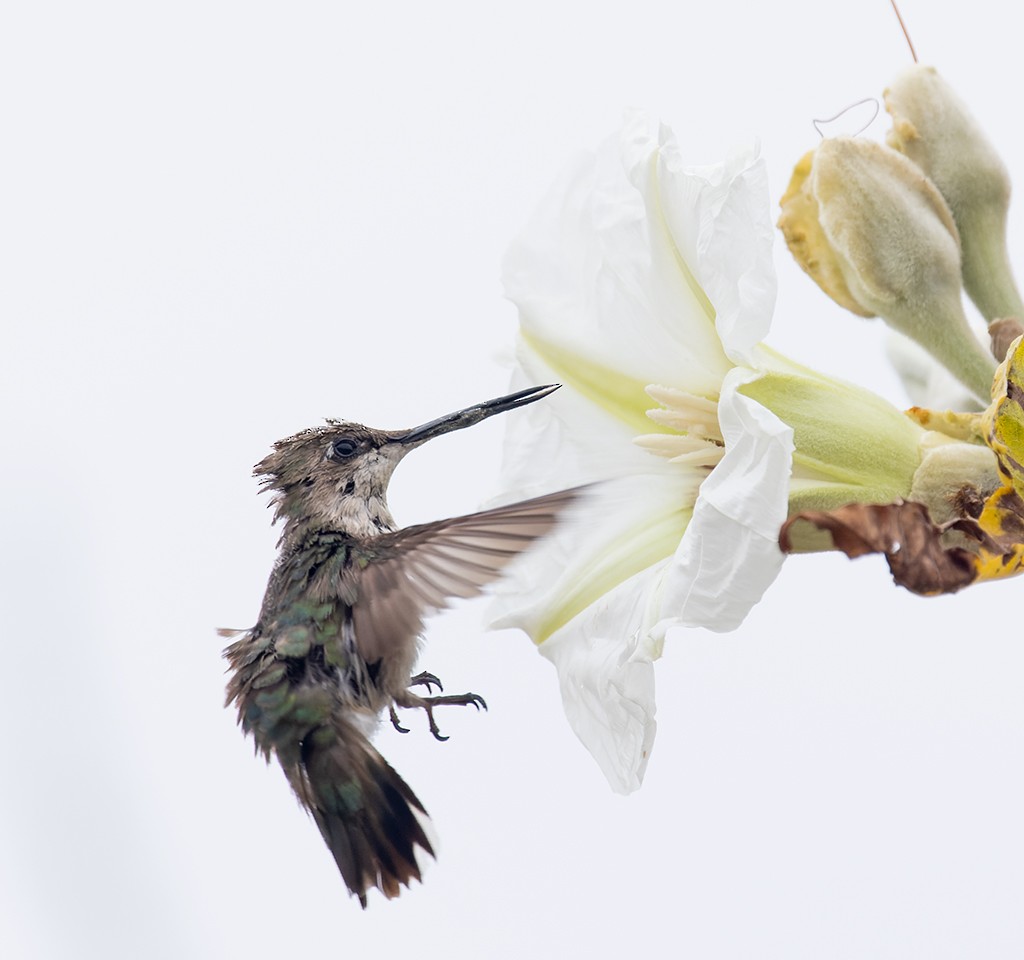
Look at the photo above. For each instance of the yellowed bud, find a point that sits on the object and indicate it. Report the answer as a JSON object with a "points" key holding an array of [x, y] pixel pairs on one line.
{"points": [[807, 241], [934, 128], [872, 216]]}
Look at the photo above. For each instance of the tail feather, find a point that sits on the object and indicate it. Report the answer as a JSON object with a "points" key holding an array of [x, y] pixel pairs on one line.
{"points": [[367, 814]]}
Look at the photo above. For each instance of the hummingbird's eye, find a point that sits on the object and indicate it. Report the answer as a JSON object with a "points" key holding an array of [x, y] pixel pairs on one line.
{"points": [[343, 449]]}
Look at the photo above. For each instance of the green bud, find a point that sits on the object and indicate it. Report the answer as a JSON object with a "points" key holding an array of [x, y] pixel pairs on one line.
{"points": [[952, 471], [934, 128]]}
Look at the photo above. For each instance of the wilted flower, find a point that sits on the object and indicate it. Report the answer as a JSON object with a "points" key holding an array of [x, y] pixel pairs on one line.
{"points": [[639, 280]]}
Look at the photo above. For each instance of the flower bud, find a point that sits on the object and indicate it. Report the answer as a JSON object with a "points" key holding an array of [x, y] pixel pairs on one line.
{"points": [[950, 472], [807, 241], [934, 128], [869, 213]]}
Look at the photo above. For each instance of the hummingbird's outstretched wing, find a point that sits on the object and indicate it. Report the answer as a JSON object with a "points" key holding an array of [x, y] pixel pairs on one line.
{"points": [[415, 571]]}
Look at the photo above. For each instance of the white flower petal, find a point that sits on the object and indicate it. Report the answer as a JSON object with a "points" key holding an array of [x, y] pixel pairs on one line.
{"points": [[565, 440], [729, 554], [622, 527], [606, 674], [719, 221], [589, 274]]}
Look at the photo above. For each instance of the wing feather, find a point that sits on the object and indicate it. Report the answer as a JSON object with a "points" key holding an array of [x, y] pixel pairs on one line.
{"points": [[415, 571]]}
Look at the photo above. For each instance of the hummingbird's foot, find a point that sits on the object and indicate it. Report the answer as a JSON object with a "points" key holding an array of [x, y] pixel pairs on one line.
{"points": [[411, 701], [426, 680], [394, 720]]}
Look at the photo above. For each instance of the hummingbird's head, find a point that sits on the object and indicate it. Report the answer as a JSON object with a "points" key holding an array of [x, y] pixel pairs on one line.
{"points": [[336, 476]]}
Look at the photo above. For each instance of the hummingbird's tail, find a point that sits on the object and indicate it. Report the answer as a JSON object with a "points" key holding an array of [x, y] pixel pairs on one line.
{"points": [[368, 815]]}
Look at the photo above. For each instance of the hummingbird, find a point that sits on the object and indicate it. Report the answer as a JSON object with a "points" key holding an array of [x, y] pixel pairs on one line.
{"points": [[340, 627]]}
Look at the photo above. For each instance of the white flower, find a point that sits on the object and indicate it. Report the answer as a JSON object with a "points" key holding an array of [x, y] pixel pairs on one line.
{"points": [[643, 279], [643, 283]]}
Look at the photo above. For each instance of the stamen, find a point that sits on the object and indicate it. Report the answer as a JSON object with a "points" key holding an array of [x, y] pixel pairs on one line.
{"points": [[685, 412], [696, 439]]}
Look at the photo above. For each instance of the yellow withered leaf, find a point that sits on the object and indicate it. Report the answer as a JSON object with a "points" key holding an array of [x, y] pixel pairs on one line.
{"points": [[1004, 419]]}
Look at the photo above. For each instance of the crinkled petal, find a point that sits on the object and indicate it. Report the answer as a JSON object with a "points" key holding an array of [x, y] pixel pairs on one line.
{"points": [[596, 274], [730, 554], [717, 220], [605, 669]]}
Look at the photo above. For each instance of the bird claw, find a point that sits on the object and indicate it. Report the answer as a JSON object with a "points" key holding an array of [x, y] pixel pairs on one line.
{"points": [[427, 680], [463, 700], [411, 702], [394, 720]]}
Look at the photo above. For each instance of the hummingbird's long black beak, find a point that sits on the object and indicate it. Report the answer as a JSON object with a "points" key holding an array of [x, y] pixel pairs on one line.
{"points": [[471, 415]]}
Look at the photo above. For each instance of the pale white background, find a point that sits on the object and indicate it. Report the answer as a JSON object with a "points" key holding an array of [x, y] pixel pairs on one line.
{"points": [[223, 221]]}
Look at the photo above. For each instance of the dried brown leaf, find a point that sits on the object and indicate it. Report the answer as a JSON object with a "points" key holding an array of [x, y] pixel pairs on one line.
{"points": [[904, 533]]}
